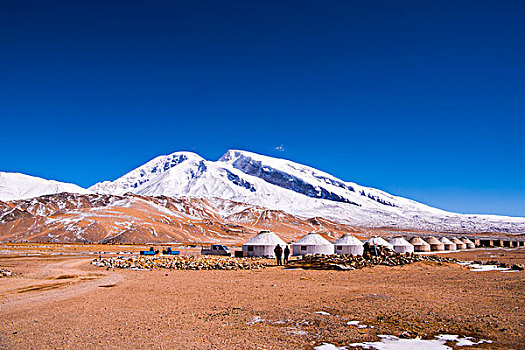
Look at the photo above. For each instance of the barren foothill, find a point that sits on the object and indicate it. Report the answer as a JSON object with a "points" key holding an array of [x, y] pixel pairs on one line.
{"points": [[62, 301]]}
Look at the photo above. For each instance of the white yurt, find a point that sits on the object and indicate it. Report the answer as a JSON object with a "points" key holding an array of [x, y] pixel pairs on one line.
{"points": [[379, 241], [468, 242], [449, 245], [348, 244], [419, 244], [435, 244], [401, 245], [262, 245], [459, 244], [312, 243]]}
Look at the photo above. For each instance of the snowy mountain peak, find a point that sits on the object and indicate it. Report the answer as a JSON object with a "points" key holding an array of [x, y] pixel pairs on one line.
{"points": [[291, 176], [310, 181], [243, 157], [248, 161], [142, 175], [15, 186]]}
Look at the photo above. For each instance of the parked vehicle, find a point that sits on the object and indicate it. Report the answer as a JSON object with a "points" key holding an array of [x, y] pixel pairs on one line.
{"points": [[216, 249], [168, 251], [151, 251]]}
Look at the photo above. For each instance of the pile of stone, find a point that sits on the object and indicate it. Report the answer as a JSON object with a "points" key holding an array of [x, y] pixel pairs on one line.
{"points": [[181, 263], [374, 256], [5, 273]]}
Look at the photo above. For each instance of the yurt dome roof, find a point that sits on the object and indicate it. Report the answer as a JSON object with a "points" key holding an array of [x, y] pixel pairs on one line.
{"points": [[433, 240], [266, 238], [312, 239], [348, 239], [418, 241], [445, 240], [379, 241], [400, 241]]}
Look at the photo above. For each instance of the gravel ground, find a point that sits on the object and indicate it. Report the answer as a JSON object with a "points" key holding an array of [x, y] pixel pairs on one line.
{"points": [[57, 302]]}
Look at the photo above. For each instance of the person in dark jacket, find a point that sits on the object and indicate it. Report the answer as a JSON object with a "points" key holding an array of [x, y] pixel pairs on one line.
{"points": [[286, 254], [278, 252]]}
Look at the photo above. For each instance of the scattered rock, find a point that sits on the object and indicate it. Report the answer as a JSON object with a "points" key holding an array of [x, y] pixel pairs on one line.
{"points": [[181, 263], [5, 273], [384, 256]]}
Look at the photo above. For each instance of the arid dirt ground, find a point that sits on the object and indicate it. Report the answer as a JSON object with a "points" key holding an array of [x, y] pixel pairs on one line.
{"points": [[61, 301]]}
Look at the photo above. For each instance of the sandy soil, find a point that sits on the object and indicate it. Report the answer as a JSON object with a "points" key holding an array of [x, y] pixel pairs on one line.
{"points": [[62, 301]]}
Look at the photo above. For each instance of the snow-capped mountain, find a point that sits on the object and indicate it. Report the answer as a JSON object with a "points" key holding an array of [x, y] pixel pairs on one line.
{"points": [[280, 184], [184, 198], [14, 186]]}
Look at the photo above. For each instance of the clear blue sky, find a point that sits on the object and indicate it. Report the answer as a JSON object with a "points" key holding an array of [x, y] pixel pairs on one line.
{"points": [[424, 99]]}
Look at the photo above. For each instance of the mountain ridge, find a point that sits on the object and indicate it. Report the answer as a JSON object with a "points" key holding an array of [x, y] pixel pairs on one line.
{"points": [[280, 184], [15, 186], [289, 187]]}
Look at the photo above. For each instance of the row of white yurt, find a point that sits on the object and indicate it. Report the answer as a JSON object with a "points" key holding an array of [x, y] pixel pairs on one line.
{"points": [[264, 243]]}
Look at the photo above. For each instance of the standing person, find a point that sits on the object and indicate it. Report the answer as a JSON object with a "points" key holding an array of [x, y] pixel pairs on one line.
{"points": [[375, 250], [286, 254], [278, 252]]}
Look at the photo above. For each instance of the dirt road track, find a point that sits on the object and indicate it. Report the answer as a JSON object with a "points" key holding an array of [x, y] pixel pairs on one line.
{"points": [[51, 282]]}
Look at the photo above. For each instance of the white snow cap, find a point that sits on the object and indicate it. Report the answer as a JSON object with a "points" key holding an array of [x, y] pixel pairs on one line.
{"points": [[348, 239], [156, 169], [312, 239], [400, 241], [266, 238]]}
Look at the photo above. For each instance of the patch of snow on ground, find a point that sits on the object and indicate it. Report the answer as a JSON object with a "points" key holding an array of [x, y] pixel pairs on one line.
{"points": [[466, 341], [481, 268], [256, 319], [295, 331], [324, 313], [390, 342], [327, 346], [356, 323]]}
